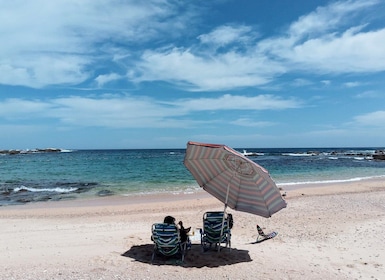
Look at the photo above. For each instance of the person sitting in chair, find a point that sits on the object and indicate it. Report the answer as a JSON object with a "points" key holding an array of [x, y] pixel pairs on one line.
{"points": [[182, 231]]}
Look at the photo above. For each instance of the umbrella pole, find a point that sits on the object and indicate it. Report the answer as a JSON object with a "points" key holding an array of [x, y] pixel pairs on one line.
{"points": [[224, 213], [223, 223]]}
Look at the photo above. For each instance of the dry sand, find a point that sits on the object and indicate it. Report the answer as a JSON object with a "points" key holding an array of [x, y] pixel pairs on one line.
{"points": [[326, 232]]}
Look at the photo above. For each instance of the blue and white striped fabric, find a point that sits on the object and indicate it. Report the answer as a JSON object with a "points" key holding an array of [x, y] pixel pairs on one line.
{"points": [[167, 240], [212, 229]]}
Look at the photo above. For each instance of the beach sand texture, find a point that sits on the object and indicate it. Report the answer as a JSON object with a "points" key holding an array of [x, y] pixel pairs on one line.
{"points": [[327, 232]]}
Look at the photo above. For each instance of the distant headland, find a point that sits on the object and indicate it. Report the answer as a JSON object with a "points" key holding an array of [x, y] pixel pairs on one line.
{"points": [[33, 151]]}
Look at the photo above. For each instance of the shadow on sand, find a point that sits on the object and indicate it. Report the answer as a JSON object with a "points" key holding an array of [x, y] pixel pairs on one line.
{"points": [[193, 257]]}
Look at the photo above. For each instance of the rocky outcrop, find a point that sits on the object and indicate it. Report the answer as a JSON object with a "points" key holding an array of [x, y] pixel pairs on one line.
{"points": [[379, 155], [16, 152]]}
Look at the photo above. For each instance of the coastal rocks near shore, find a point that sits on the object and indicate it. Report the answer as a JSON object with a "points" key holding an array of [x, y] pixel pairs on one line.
{"points": [[377, 155], [26, 192], [16, 152], [380, 155]]}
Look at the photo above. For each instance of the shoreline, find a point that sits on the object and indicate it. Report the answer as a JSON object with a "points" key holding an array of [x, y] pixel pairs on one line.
{"points": [[321, 235], [175, 192], [288, 192]]}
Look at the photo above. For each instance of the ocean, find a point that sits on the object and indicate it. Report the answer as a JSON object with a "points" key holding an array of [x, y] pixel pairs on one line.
{"points": [[42, 176]]}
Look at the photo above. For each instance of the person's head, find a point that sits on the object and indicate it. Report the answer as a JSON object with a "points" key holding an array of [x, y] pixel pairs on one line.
{"points": [[169, 220]]}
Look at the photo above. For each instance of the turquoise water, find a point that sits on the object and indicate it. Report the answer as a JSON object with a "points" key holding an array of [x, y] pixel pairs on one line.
{"points": [[70, 175]]}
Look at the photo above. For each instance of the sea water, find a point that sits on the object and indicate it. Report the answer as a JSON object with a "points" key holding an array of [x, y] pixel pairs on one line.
{"points": [[74, 174]]}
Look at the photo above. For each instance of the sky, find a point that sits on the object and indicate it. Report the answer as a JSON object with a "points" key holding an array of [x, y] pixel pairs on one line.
{"points": [[127, 74]]}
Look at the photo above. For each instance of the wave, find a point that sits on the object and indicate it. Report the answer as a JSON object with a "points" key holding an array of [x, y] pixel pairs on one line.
{"points": [[331, 181], [66, 151], [57, 190], [299, 154]]}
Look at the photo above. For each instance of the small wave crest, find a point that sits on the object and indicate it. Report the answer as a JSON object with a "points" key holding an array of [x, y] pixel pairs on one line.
{"points": [[330, 181], [54, 190]]}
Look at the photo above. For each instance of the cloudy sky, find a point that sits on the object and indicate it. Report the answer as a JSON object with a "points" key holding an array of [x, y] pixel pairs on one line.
{"points": [[157, 73]]}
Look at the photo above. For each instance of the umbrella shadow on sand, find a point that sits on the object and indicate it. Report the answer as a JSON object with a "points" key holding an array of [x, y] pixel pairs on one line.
{"points": [[193, 257]]}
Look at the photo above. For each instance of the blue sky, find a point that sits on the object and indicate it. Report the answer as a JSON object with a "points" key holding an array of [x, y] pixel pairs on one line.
{"points": [[158, 73]]}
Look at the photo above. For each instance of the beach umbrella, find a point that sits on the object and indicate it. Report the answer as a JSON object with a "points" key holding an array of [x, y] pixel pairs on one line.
{"points": [[235, 180]]}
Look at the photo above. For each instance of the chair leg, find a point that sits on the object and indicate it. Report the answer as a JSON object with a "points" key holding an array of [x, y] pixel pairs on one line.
{"points": [[153, 257], [183, 250]]}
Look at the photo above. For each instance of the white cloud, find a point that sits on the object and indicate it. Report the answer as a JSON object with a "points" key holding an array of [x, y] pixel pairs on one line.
{"points": [[326, 41], [58, 42], [226, 34], [15, 108], [206, 72], [247, 122], [327, 18], [111, 111], [234, 102], [352, 84], [370, 94], [115, 111], [101, 80], [348, 53], [372, 119], [67, 42]]}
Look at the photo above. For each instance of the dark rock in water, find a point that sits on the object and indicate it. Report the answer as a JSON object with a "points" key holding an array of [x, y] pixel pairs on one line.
{"points": [[17, 152], [79, 186], [5, 192], [26, 197], [49, 150], [84, 187], [22, 192], [380, 155], [14, 193], [23, 200], [105, 193], [64, 197]]}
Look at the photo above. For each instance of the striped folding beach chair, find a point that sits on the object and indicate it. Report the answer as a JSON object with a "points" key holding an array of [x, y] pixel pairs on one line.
{"points": [[167, 240], [263, 236], [212, 228]]}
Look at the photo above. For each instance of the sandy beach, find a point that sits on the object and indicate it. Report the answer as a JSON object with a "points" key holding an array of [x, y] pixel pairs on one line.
{"points": [[333, 231]]}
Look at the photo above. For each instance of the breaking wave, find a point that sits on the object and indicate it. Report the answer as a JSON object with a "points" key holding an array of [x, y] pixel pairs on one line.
{"points": [[57, 190]]}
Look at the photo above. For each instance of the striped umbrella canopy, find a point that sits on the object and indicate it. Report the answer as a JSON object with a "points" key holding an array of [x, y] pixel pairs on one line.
{"points": [[235, 180]]}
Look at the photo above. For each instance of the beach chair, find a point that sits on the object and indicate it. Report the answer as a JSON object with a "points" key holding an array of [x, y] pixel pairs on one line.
{"points": [[167, 241], [212, 228], [262, 236]]}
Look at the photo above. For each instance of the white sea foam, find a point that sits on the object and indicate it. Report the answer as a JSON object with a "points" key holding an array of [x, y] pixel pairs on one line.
{"points": [[58, 190], [330, 181], [298, 154], [66, 151]]}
